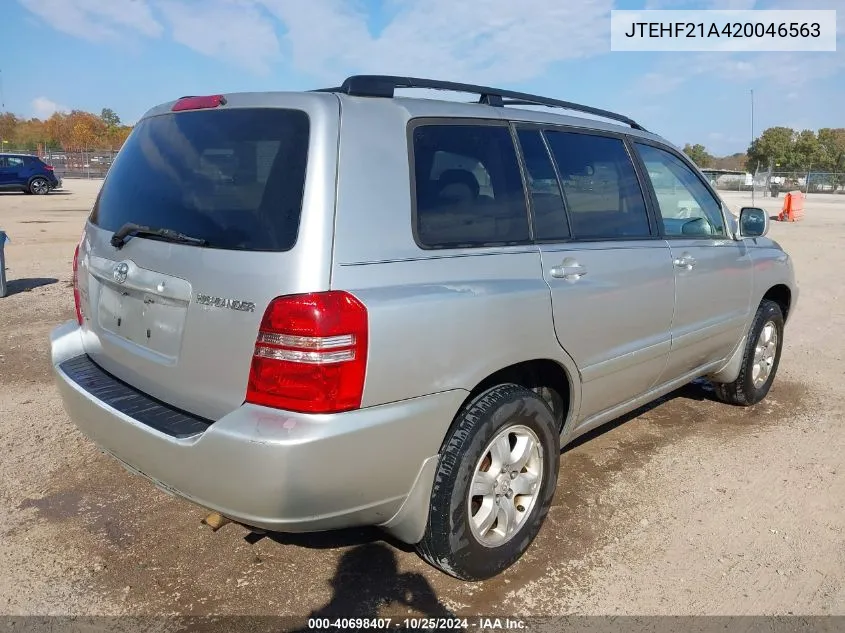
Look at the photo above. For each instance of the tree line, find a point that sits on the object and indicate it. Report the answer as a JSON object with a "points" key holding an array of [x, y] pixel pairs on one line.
{"points": [[778, 148], [68, 131], [781, 149]]}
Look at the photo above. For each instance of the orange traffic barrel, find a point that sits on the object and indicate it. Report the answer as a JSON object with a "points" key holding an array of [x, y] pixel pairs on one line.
{"points": [[793, 207]]}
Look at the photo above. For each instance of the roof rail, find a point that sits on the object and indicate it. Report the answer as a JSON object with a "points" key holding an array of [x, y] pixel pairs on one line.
{"points": [[385, 86]]}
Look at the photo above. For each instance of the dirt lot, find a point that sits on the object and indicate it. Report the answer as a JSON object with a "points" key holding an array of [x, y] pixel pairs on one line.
{"points": [[690, 507]]}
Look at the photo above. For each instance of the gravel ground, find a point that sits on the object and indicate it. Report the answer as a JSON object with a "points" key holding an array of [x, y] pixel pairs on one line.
{"points": [[689, 507]]}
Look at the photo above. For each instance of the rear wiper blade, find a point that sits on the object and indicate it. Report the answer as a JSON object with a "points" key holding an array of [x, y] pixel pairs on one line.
{"points": [[168, 235]]}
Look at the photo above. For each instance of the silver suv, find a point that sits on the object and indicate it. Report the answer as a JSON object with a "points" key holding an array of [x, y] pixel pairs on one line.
{"points": [[314, 310]]}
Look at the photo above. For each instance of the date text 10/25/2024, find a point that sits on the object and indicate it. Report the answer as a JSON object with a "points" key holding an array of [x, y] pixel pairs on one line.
{"points": [[421, 624]]}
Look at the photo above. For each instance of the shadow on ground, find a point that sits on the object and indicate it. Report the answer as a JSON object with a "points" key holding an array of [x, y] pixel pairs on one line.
{"points": [[55, 192], [698, 391], [14, 286], [367, 584]]}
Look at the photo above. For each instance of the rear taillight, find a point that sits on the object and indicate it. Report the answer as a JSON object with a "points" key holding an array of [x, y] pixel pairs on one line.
{"points": [[49, 167], [311, 354], [76, 298]]}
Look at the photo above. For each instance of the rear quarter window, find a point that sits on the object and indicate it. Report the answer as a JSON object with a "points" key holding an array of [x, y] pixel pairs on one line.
{"points": [[234, 178], [468, 187]]}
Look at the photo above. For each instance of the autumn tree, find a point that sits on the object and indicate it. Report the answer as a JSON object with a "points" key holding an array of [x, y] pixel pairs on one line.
{"points": [[31, 134], [86, 130], [115, 133], [59, 130], [73, 131], [8, 125], [117, 136]]}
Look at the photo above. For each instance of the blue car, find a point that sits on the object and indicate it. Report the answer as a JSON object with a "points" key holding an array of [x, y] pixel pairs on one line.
{"points": [[27, 173]]}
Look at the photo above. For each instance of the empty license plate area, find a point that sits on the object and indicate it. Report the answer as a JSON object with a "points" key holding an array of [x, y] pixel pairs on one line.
{"points": [[145, 308]]}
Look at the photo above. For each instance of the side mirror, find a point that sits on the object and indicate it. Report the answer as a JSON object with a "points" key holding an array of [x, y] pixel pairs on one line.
{"points": [[753, 222]]}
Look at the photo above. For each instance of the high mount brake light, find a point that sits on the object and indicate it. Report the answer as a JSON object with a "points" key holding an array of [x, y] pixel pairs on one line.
{"points": [[198, 103], [311, 354]]}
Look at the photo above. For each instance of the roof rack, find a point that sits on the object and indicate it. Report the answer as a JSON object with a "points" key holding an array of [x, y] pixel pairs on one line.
{"points": [[385, 86]]}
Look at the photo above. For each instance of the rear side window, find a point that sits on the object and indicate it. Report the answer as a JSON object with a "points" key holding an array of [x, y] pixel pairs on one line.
{"points": [[468, 187], [234, 178], [603, 195], [547, 202]]}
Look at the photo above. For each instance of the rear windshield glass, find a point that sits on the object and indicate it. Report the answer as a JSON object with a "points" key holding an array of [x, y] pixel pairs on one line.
{"points": [[234, 178]]}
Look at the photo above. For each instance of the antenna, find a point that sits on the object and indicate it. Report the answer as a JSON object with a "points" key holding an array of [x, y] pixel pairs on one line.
{"points": [[752, 142]]}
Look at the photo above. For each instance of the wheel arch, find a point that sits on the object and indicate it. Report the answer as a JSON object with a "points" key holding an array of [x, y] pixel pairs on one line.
{"points": [[409, 523], [781, 295], [34, 177], [535, 374]]}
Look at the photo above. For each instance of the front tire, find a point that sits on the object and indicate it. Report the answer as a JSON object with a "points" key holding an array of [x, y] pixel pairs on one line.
{"points": [[760, 360], [494, 484]]}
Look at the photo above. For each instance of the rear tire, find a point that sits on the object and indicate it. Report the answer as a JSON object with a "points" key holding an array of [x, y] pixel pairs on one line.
{"points": [[39, 186], [504, 447], [760, 360]]}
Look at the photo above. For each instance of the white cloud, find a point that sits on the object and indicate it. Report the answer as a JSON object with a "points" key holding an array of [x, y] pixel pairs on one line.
{"points": [[486, 40], [96, 20], [44, 108], [483, 41], [781, 70], [232, 30]]}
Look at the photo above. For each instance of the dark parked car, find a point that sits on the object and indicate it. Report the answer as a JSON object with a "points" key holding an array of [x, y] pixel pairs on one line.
{"points": [[27, 173]]}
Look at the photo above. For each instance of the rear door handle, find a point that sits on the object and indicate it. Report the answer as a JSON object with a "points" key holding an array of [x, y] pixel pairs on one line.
{"points": [[571, 272], [687, 262]]}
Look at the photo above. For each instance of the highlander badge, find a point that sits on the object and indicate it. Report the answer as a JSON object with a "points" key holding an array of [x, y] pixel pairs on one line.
{"points": [[220, 302]]}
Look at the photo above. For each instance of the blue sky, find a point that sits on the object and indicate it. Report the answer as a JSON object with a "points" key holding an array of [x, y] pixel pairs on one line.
{"points": [[130, 54]]}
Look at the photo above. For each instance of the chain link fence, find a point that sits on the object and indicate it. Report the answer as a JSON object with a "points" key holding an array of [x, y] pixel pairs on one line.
{"points": [[774, 183], [93, 163]]}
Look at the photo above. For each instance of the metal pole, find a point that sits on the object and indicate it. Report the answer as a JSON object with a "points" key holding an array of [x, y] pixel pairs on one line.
{"points": [[3, 288], [752, 141], [2, 107]]}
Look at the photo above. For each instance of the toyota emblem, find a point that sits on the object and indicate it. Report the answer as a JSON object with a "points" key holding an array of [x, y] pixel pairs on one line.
{"points": [[120, 271]]}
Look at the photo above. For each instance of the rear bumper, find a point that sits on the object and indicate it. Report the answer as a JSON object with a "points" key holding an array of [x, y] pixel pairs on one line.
{"points": [[279, 470]]}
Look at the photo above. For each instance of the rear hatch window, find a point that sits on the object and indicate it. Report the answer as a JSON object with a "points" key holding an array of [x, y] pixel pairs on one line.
{"points": [[233, 178]]}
